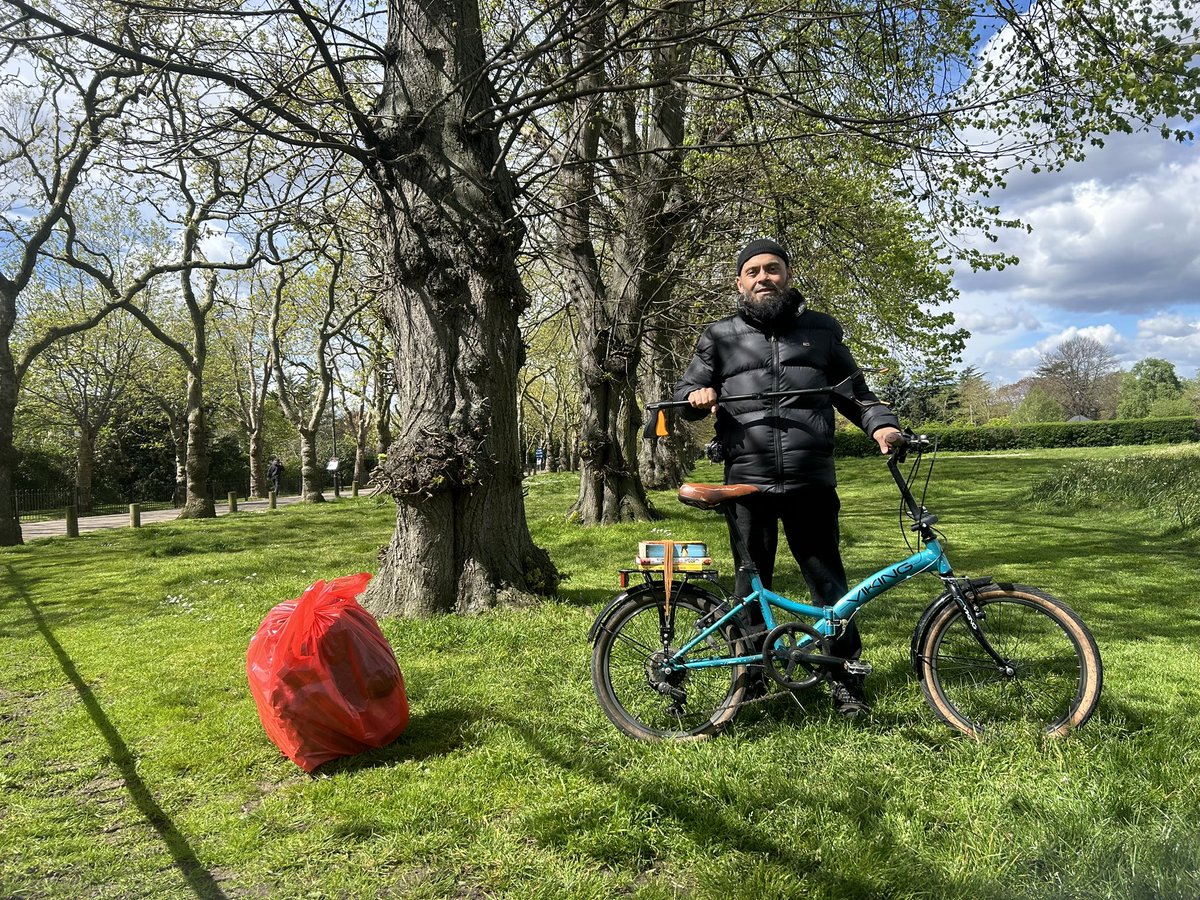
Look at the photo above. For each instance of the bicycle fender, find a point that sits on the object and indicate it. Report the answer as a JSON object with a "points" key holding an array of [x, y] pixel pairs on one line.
{"points": [[931, 611], [922, 627], [681, 588]]}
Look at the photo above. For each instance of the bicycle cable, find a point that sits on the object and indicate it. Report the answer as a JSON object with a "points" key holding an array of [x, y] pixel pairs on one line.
{"points": [[904, 531], [929, 473], [918, 460]]}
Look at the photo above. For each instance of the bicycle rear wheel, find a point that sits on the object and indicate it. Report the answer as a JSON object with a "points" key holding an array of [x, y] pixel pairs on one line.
{"points": [[1052, 674], [642, 700]]}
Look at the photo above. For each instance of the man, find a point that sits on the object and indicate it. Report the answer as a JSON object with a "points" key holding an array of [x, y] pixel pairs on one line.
{"points": [[775, 342], [275, 473]]}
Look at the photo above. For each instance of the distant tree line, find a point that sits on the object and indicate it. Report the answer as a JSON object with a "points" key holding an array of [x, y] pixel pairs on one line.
{"points": [[1078, 379]]}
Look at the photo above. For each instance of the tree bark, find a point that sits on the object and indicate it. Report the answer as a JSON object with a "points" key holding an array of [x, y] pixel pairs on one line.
{"points": [[199, 503], [454, 294], [664, 462], [610, 489], [258, 471], [362, 434], [178, 428], [312, 476], [612, 301], [85, 465], [10, 524]]}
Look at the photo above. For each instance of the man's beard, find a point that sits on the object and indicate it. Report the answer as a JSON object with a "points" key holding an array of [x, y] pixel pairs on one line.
{"points": [[765, 307]]}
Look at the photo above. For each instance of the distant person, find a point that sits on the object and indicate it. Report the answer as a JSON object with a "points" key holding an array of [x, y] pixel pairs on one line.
{"points": [[275, 473]]}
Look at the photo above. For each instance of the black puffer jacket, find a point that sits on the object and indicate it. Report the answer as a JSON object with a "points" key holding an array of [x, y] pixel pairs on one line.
{"points": [[779, 444]]}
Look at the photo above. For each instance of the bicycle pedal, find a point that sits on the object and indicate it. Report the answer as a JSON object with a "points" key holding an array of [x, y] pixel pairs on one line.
{"points": [[858, 667]]}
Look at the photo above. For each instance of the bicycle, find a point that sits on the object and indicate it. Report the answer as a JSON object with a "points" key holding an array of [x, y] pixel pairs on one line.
{"points": [[986, 653]]}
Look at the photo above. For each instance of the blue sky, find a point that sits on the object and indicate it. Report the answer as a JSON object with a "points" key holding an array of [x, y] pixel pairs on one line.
{"points": [[1114, 254]]}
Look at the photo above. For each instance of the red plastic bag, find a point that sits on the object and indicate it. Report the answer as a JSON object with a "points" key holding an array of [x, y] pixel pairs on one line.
{"points": [[324, 677]]}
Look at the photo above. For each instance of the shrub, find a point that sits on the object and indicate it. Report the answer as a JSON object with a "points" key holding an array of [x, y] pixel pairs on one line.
{"points": [[1107, 433]]}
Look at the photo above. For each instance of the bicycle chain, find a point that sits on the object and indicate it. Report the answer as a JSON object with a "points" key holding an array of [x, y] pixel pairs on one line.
{"points": [[757, 670]]}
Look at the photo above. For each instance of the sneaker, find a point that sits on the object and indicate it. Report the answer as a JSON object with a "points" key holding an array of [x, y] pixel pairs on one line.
{"points": [[848, 700]]}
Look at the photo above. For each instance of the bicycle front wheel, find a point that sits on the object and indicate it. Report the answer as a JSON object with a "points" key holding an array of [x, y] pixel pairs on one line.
{"points": [[651, 704], [1050, 672]]}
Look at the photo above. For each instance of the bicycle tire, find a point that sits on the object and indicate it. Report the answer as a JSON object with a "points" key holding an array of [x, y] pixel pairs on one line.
{"points": [[1056, 672], [625, 649]]}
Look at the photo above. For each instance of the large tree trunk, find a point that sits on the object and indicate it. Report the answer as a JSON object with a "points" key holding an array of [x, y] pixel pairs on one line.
{"points": [[199, 503], [461, 540], [10, 524], [361, 435], [258, 471], [612, 301], [610, 489], [85, 466], [178, 427], [664, 462], [312, 476]]}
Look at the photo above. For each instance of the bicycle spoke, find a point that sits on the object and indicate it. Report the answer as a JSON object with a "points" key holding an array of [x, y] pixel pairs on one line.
{"points": [[647, 698], [1044, 682]]}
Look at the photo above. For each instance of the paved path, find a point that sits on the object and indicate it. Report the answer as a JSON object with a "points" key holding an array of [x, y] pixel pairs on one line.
{"points": [[31, 531]]}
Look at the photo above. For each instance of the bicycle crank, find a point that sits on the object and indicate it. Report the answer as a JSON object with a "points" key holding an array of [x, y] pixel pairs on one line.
{"points": [[796, 655]]}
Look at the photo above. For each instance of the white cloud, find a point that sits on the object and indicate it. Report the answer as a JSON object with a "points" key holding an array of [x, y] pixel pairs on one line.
{"points": [[1167, 326], [993, 320], [221, 248], [1170, 337], [1105, 334], [1114, 253], [1128, 245]]}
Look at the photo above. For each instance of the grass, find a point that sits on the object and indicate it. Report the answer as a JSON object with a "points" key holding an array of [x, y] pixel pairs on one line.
{"points": [[134, 764]]}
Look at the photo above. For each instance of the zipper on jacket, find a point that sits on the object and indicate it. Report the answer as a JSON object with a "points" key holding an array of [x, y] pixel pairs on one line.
{"points": [[775, 408]]}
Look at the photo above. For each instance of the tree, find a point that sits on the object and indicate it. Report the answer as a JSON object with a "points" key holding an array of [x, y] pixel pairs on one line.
{"points": [[1037, 406], [53, 121], [322, 304], [1150, 383], [241, 328], [1078, 375], [976, 402], [434, 141], [922, 398], [80, 383]]}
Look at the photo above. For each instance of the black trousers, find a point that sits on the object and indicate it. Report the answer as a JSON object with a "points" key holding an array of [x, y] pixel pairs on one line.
{"points": [[809, 515]]}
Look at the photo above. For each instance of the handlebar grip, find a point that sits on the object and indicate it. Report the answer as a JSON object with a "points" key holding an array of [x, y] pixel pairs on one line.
{"points": [[901, 442]]}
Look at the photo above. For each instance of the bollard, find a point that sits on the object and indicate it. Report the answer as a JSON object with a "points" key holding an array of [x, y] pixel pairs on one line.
{"points": [[354, 489], [271, 499], [135, 515], [233, 501], [72, 521]]}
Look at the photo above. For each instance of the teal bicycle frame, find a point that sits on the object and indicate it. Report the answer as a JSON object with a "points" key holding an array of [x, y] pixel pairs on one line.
{"points": [[828, 618]]}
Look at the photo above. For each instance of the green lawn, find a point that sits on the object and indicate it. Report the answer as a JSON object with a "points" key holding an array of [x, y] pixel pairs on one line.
{"points": [[134, 764]]}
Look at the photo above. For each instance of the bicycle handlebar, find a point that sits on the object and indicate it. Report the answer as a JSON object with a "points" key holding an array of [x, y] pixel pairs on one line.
{"points": [[903, 441], [842, 389], [839, 388]]}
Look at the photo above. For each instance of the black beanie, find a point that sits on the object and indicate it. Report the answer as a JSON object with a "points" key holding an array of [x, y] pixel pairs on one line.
{"points": [[761, 245]]}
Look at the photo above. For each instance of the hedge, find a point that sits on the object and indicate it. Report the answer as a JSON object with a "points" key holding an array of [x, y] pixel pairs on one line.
{"points": [[1175, 430]]}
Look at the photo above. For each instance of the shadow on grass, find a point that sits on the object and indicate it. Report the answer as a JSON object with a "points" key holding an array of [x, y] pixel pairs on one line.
{"points": [[431, 734], [198, 878], [725, 828]]}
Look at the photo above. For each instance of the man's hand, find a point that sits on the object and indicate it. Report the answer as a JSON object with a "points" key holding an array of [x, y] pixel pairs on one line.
{"points": [[881, 437], [705, 398]]}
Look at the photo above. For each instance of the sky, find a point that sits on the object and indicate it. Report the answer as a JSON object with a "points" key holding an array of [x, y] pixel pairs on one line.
{"points": [[1114, 254]]}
